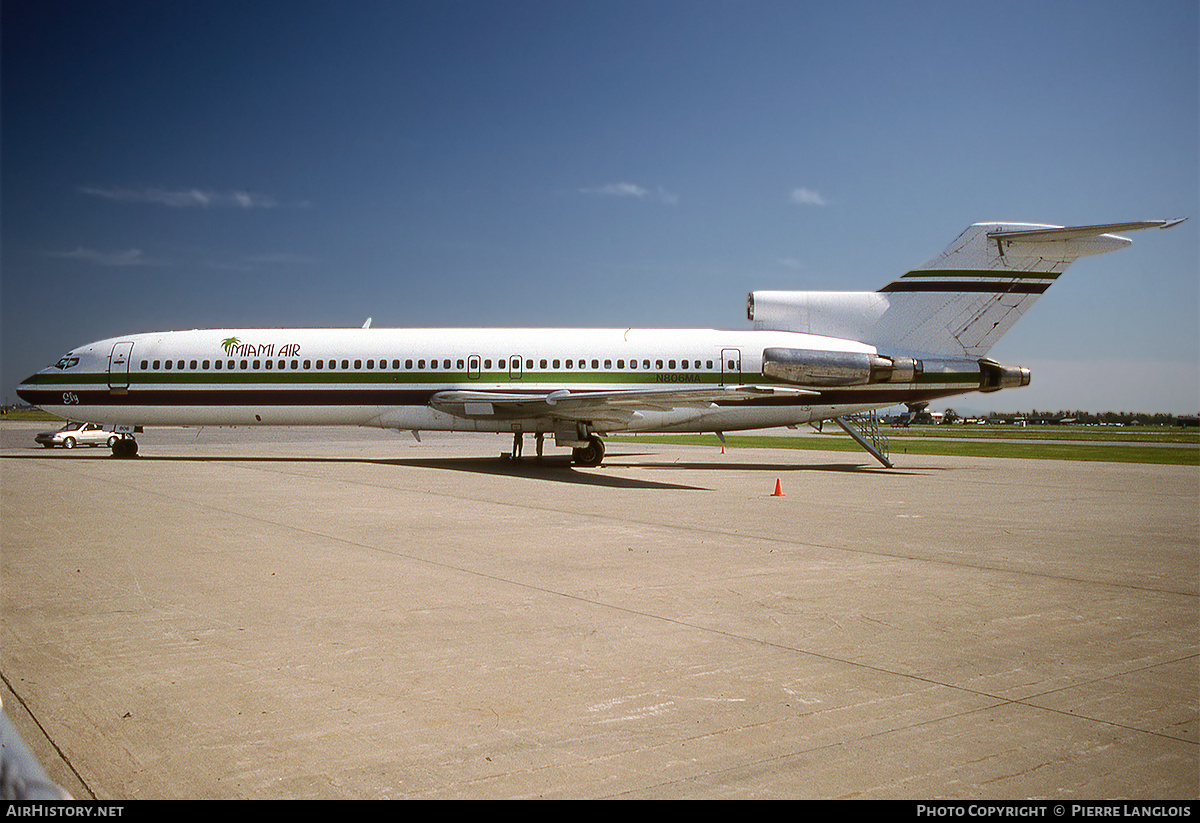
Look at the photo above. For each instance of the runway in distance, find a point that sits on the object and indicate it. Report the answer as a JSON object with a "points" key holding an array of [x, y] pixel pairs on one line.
{"points": [[811, 356]]}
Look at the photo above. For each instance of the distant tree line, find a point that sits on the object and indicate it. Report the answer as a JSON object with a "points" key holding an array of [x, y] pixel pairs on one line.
{"points": [[1083, 418]]}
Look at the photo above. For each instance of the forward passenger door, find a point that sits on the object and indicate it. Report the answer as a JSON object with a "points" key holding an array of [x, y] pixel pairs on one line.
{"points": [[118, 367]]}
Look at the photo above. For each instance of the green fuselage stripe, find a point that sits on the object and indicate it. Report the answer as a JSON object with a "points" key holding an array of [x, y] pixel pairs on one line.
{"points": [[540, 380]]}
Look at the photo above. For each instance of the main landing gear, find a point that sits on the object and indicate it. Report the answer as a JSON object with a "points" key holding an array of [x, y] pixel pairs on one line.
{"points": [[590, 455], [125, 447], [587, 448]]}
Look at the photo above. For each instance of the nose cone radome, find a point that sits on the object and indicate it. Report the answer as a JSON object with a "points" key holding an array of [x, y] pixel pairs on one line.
{"points": [[28, 391]]}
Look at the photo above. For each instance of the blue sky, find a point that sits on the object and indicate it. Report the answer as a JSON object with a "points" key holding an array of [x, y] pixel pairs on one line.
{"points": [[215, 164]]}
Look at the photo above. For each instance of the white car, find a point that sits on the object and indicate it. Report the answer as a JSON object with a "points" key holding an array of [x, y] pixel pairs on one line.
{"points": [[78, 434]]}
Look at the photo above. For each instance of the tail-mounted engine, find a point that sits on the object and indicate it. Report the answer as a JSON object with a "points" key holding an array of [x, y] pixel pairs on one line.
{"points": [[833, 369], [996, 377], [811, 367]]}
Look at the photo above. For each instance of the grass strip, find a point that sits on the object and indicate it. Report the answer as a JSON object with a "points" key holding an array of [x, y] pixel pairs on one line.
{"points": [[1105, 453]]}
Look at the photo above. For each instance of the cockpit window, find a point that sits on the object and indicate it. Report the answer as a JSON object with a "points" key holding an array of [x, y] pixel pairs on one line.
{"points": [[67, 362]]}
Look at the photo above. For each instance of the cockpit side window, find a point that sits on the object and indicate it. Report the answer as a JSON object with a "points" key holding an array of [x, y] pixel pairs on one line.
{"points": [[67, 362]]}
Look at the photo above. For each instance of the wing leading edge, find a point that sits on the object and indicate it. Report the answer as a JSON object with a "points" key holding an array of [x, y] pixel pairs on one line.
{"points": [[616, 405]]}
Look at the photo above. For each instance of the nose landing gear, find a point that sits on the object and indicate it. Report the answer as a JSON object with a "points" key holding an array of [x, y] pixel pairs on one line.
{"points": [[125, 447]]}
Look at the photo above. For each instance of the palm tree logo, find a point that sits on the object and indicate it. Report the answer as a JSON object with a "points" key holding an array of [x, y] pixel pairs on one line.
{"points": [[228, 343]]}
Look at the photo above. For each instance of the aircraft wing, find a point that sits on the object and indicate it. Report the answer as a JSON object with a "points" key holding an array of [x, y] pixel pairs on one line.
{"points": [[616, 405]]}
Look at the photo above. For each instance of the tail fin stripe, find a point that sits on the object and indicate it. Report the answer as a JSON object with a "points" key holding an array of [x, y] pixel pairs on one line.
{"points": [[1012, 275], [966, 286]]}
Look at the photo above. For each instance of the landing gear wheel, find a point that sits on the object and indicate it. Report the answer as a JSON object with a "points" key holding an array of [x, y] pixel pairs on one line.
{"points": [[590, 455], [125, 447]]}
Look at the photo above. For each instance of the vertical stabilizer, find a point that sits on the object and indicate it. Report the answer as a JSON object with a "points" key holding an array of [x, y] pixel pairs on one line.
{"points": [[959, 303]]}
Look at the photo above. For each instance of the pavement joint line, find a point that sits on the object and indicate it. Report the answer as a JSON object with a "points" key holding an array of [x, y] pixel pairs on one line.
{"points": [[874, 552], [1024, 701]]}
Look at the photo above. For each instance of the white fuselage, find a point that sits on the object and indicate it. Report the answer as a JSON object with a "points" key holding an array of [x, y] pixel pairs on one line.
{"points": [[386, 377]]}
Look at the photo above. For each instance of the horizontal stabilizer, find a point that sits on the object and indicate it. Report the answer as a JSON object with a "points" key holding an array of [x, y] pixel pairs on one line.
{"points": [[1083, 240], [1073, 232]]}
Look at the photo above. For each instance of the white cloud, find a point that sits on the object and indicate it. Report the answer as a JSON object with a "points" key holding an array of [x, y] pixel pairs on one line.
{"points": [[259, 262], [634, 190], [618, 190], [184, 198], [667, 197], [129, 257], [807, 197], [281, 259]]}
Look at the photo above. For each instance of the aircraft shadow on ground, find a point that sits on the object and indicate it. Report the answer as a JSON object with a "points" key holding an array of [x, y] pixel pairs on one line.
{"points": [[553, 468], [557, 469]]}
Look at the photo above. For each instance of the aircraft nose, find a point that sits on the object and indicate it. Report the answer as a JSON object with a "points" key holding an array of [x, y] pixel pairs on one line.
{"points": [[26, 388]]}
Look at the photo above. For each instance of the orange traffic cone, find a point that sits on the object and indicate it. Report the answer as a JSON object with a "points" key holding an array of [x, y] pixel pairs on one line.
{"points": [[778, 489]]}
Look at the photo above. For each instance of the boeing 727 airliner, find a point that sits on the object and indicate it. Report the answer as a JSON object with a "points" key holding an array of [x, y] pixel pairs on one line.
{"points": [[811, 356]]}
